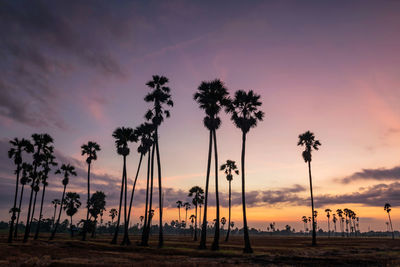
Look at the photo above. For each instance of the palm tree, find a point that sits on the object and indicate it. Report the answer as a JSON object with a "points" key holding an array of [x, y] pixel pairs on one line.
{"points": [[67, 171], [143, 133], [179, 204], [198, 197], [48, 161], [307, 140], [42, 144], [71, 206], [55, 202], [187, 207], [141, 221], [334, 220], [340, 214], [211, 97], [229, 167], [347, 213], [113, 214], [304, 220], [161, 97], [192, 219], [97, 205], [122, 137], [388, 208], [90, 149], [26, 178], [245, 114], [223, 222], [15, 153], [328, 211]]}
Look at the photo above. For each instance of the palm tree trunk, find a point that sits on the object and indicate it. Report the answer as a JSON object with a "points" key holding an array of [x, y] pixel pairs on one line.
{"points": [[329, 230], [247, 246], [19, 211], [160, 205], [33, 210], [195, 223], [86, 223], [391, 226], [59, 215], [314, 235], [229, 216], [204, 226], [54, 216], [126, 225], [133, 192], [215, 245], [40, 213], [147, 200], [200, 219], [114, 240], [179, 214], [13, 217], [150, 217], [27, 224]]}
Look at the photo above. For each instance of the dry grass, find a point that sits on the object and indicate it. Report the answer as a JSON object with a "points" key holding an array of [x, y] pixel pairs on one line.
{"points": [[181, 251]]}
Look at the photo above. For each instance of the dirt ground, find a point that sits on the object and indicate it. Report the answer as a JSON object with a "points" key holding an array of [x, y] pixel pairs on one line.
{"points": [[182, 251]]}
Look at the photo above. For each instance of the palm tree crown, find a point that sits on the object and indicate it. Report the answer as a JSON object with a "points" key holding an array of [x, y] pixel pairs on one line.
{"points": [[122, 136], [307, 139], [244, 110], [90, 150], [160, 95], [387, 207], [18, 147], [229, 167], [67, 170]]}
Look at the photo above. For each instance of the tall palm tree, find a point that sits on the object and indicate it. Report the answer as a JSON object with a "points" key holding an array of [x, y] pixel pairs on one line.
{"points": [[26, 178], [143, 133], [90, 149], [113, 214], [245, 114], [340, 214], [328, 215], [229, 167], [48, 162], [186, 205], [197, 193], [347, 213], [15, 153], [42, 144], [55, 202], [67, 170], [211, 97], [122, 137], [161, 98], [388, 208], [179, 204], [334, 220], [97, 205], [304, 220], [71, 206], [307, 140]]}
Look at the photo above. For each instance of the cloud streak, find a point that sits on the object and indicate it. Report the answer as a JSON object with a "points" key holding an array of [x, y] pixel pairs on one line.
{"points": [[380, 174]]}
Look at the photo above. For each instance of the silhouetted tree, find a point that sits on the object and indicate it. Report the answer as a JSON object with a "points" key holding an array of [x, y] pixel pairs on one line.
{"points": [[328, 215], [179, 204], [334, 220], [223, 222], [388, 208], [97, 205], [211, 97], [307, 140], [55, 202], [71, 206], [245, 114], [143, 133], [90, 150], [197, 193], [113, 214], [15, 153], [304, 220], [122, 137], [67, 171], [340, 214], [347, 213], [187, 207], [229, 167], [47, 163], [41, 143], [27, 170]]}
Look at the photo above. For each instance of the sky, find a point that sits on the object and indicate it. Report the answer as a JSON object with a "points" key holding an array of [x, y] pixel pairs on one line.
{"points": [[77, 70]]}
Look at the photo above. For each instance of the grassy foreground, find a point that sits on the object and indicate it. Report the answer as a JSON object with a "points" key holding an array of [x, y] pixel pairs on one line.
{"points": [[181, 251]]}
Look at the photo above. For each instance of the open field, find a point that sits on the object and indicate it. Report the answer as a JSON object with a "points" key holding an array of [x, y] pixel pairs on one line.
{"points": [[181, 251]]}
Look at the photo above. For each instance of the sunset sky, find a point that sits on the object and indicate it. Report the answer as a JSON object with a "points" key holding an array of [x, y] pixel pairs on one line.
{"points": [[77, 70]]}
